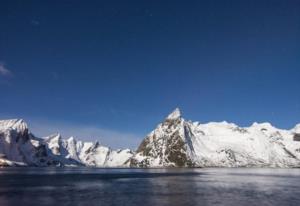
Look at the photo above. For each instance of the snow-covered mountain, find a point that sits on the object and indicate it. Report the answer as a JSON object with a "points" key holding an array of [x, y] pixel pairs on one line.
{"points": [[174, 143], [180, 143], [18, 147], [72, 152]]}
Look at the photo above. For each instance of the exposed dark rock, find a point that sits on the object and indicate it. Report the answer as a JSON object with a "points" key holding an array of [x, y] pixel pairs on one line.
{"points": [[296, 137]]}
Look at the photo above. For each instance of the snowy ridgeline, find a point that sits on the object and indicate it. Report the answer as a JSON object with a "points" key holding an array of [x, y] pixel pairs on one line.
{"points": [[174, 143], [18, 147]]}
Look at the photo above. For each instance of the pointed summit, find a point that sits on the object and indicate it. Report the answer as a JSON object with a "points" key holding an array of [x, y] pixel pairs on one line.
{"points": [[54, 137], [15, 124], [176, 114], [296, 129]]}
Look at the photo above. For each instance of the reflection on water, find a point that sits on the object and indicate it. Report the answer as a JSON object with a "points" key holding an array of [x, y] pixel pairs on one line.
{"points": [[86, 186]]}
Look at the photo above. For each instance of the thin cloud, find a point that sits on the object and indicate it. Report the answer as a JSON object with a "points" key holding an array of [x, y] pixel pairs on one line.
{"points": [[4, 71]]}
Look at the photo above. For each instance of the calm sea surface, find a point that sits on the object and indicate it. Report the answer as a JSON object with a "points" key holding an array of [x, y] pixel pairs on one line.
{"points": [[143, 187]]}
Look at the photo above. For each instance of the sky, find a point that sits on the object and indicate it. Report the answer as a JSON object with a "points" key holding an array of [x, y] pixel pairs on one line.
{"points": [[112, 70]]}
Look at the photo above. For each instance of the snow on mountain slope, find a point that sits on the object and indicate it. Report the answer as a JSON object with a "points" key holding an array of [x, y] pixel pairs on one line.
{"points": [[174, 143], [18, 147], [15, 124], [180, 143], [166, 146], [72, 152]]}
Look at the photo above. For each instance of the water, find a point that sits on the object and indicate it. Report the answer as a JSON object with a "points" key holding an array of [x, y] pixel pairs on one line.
{"points": [[143, 187]]}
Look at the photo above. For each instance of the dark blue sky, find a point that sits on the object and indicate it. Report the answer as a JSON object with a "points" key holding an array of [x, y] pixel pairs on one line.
{"points": [[121, 67]]}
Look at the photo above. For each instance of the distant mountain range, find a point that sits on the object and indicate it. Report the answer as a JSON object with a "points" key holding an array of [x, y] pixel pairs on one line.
{"points": [[19, 147], [174, 143]]}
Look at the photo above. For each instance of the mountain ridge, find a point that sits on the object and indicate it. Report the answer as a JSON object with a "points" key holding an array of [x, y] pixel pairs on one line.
{"points": [[19, 147], [175, 142], [179, 143]]}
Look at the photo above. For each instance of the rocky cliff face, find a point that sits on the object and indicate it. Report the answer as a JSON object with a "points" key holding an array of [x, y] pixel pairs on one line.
{"points": [[180, 143], [166, 145]]}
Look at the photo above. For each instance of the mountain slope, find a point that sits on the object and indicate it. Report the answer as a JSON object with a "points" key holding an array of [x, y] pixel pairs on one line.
{"points": [[166, 146], [18, 147], [73, 152], [173, 143], [180, 143]]}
